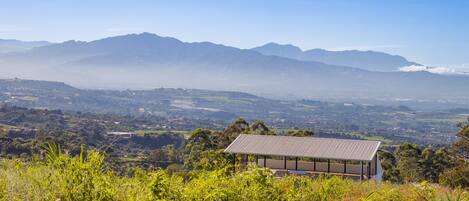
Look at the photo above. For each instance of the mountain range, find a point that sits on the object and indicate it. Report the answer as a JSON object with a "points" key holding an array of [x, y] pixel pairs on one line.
{"points": [[145, 61], [368, 60], [17, 45]]}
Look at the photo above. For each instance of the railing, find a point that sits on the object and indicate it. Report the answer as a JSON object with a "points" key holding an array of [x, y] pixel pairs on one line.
{"points": [[320, 166]]}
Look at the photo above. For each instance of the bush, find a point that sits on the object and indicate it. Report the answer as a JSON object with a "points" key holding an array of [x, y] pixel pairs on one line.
{"points": [[457, 176], [84, 178]]}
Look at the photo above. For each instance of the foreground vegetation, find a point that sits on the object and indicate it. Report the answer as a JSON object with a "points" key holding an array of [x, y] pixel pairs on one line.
{"points": [[192, 165], [85, 177]]}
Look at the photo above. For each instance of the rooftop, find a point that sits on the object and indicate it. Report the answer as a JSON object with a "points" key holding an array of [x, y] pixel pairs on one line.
{"points": [[309, 147]]}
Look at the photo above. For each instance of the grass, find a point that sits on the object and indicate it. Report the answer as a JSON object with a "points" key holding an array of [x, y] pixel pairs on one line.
{"points": [[63, 177]]}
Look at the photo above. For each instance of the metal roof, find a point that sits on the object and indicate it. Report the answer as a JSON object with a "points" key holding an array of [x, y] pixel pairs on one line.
{"points": [[310, 147]]}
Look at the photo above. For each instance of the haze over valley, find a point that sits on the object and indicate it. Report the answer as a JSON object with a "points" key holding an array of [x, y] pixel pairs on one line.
{"points": [[147, 61]]}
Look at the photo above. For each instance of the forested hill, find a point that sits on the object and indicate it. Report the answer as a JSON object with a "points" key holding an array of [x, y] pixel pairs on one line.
{"points": [[399, 123]]}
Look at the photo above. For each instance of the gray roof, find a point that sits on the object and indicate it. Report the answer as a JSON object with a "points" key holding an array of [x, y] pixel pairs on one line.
{"points": [[310, 147]]}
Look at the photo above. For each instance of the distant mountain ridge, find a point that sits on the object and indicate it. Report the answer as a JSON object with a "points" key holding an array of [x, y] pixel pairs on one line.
{"points": [[145, 61], [9, 45], [368, 60]]}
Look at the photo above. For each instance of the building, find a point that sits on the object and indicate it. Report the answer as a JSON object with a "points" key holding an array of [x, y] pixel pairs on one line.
{"points": [[356, 159], [122, 134]]}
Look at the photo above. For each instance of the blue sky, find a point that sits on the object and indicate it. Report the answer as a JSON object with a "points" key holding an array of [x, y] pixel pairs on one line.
{"points": [[426, 31]]}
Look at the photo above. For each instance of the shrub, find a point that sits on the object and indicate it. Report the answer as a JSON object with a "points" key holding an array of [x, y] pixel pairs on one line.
{"points": [[84, 177]]}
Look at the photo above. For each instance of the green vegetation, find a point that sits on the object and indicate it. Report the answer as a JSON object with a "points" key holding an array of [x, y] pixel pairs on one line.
{"points": [[209, 109], [85, 177], [157, 165], [412, 163]]}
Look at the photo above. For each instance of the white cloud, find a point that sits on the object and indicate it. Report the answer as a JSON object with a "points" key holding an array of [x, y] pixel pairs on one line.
{"points": [[436, 70]]}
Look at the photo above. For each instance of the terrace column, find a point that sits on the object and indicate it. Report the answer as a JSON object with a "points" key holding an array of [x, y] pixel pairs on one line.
{"points": [[265, 161], [361, 172], [369, 170], [296, 163], [345, 166], [314, 164], [285, 162], [328, 165], [376, 164], [257, 160]]}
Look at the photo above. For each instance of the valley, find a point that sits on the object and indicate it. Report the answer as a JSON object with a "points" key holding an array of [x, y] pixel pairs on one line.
{"points": [[397, 123]]}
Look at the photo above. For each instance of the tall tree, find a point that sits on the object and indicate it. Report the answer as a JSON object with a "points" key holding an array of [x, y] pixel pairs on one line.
{"points": [[388, 163], [200, 141], [408, 162], [236, 128], [259, 128], [458, 176], [201, 138], [433, 163]]}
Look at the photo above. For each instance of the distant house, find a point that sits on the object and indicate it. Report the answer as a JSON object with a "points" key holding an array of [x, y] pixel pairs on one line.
{"points": [[122, 134], [356, 159]]}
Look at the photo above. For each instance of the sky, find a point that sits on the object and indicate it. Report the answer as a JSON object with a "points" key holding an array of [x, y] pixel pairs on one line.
{"points": [[430, 32]]}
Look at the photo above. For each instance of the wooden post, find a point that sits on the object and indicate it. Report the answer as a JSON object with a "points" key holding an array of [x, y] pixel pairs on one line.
{"points": [[265, 161], [361, 172], [257, 160], [285, 162], [296, 163], [369, 169], [328, 165], [314, 164], [376, 164], [345, 166]]}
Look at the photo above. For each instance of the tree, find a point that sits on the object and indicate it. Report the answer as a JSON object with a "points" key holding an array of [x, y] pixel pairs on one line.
{"points": [[164, 156], [301, 133], [199, 142], [408, 158], [239, 126], [391, 173], [259, 128], [212, 160], [201, 138], [461, 145], [458, 176], [433, 163]]}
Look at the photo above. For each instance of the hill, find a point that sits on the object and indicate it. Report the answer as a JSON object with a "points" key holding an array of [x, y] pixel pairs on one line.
{"points": [[368, 60], [146, 61], [396, 123]]}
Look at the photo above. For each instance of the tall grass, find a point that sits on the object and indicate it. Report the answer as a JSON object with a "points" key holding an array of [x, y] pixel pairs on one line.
{"points": [[84, 177]]}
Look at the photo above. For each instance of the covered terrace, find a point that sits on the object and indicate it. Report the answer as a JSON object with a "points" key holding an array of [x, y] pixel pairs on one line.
{"points": [[356, 159]]}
